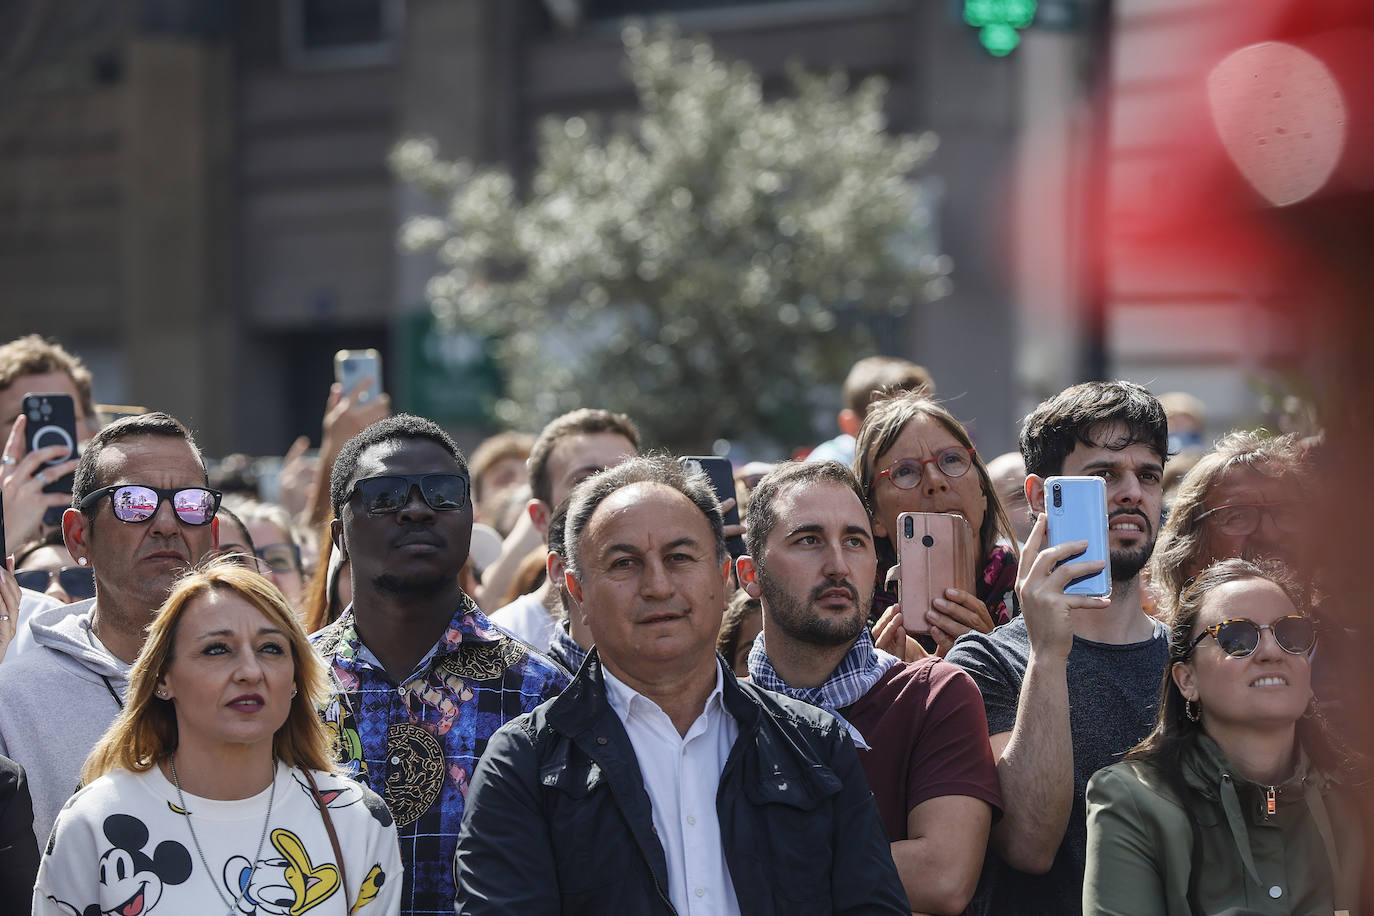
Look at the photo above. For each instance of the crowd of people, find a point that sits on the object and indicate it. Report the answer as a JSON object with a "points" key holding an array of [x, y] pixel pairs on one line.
{"points": [[538, 682]]}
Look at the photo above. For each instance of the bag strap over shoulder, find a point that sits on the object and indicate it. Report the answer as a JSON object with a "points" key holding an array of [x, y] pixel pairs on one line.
{"points": [[333, 836]]}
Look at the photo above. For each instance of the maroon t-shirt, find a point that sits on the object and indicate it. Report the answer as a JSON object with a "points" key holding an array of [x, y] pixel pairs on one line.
{"points": [[928, 733]]}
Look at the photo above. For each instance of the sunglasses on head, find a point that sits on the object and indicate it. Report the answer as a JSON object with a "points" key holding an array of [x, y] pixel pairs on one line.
{"points": [[77, 581], [134, 503], [382, 495], [1240, 636]]}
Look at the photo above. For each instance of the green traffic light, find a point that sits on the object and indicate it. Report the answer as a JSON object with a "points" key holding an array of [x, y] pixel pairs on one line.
{"points": [[998, 22], [999, 40]]}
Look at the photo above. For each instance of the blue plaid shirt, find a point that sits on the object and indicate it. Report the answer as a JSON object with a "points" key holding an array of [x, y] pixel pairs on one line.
{"points": [[565, 650], [416, 743], [862, 667]]}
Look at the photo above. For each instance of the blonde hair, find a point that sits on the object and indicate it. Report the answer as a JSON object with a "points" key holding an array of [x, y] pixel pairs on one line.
{"points": [[145, 732]]}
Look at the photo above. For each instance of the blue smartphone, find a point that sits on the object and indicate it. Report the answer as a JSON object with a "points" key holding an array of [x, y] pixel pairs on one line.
{"points": [[1077, 511]]}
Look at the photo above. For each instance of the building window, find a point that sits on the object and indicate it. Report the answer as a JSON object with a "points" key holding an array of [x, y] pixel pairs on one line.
{"points": [[340, 32]]}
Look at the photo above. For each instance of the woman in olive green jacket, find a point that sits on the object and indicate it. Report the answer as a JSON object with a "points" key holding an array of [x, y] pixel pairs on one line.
{"points": [[1239, 797]]}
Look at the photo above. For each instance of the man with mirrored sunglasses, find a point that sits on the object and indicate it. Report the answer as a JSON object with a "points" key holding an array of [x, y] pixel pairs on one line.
{"points": [[421, 677], [142, 514]]}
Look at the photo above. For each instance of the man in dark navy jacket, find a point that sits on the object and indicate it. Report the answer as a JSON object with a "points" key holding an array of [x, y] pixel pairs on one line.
{"points": [[657, 783]]}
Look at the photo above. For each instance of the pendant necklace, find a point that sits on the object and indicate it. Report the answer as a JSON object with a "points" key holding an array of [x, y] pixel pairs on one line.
{"points": [[181, 800]]}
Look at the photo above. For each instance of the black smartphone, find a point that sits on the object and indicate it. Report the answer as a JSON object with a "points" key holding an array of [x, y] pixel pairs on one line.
{"points": [[52, 421], [722, 476]]}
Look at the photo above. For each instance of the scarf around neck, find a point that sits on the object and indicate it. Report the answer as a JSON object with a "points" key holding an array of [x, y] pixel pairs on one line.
{"points": [[862, 667]]}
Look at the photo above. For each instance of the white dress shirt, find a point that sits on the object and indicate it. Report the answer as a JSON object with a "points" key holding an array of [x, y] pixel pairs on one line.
{"points": [[681, 775]]}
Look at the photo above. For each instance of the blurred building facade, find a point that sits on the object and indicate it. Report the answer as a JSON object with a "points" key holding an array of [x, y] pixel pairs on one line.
{"points": [[194, 193]]}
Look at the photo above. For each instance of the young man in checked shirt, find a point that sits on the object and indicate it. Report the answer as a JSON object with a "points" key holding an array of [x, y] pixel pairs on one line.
{"points": [[920, 726]]}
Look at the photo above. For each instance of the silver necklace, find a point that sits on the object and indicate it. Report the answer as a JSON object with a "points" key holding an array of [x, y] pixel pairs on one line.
{"points": [[257, 856]]}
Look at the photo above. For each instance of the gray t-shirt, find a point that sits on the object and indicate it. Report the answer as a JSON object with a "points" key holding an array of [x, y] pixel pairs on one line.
{"points": [[1113, 696]]}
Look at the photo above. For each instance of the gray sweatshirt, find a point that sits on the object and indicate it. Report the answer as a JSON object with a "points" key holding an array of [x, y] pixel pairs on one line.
{"points": [[54, 705]]}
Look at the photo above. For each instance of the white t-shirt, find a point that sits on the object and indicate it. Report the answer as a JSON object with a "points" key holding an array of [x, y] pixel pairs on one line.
{"points": [[527, 618], [123, 845]]}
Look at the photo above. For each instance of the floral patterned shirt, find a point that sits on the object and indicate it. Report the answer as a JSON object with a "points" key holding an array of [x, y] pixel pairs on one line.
{"points": [[416, 743]]}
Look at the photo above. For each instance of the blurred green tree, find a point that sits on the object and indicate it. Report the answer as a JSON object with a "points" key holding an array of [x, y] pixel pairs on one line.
{"points": [[704, 265]]}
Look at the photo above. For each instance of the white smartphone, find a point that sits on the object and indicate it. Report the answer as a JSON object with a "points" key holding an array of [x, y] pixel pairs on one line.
{"points": [[352, 366]]}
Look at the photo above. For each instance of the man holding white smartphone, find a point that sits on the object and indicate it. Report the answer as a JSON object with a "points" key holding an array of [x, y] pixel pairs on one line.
{"points": [[919, 726], [1071, 684]]}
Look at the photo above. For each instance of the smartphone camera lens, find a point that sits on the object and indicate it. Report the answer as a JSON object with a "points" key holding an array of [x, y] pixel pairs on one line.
{"points": [[1058, 496], [928, 541], [910, 527]]}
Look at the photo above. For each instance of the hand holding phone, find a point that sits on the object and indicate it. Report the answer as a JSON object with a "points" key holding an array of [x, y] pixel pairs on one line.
{"points": [[936, 552], [24, 475]]}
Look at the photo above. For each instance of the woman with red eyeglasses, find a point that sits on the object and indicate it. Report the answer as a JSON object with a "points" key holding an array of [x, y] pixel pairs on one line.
{"points": [[1240, 796], [912, 455]]}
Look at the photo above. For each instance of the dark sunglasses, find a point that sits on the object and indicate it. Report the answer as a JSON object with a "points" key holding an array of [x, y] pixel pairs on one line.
{"points": [[134, 503], [1240, 636], [77, 581], [441, 492]]}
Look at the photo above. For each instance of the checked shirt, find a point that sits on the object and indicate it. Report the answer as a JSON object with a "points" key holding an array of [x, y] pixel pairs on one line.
{"points": [[416, 743], [862, 667]]}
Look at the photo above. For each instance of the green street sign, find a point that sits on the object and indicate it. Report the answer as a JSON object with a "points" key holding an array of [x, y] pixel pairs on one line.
{"points": [[447, 376]]}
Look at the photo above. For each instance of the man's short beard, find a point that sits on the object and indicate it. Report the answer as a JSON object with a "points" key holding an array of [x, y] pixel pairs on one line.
{"points": [[1126, 564], [784, 611], [412, 587]]}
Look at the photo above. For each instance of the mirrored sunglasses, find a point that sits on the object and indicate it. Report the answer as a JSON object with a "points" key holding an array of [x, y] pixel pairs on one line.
{"points": [[134, 503], [1240, 636], [906, 473], [441, 492], [77, 581]]}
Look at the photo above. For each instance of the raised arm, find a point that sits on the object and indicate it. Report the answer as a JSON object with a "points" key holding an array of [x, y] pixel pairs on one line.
{"points": [[1035, 759]]}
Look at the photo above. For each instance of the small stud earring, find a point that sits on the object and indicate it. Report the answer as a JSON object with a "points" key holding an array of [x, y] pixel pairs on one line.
{"points": [[81, 561], [162, 693]]}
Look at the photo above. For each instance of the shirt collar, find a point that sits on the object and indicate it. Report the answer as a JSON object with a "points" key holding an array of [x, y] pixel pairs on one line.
{"points": [[626, 701], [468, 624]]}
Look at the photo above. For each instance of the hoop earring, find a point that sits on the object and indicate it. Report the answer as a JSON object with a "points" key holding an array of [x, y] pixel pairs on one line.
{"points": [[1190, 709], [1312, 709]]}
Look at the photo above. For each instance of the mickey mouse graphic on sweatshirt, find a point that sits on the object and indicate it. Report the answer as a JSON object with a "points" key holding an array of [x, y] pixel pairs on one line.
{"points": [[122, 846]]}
